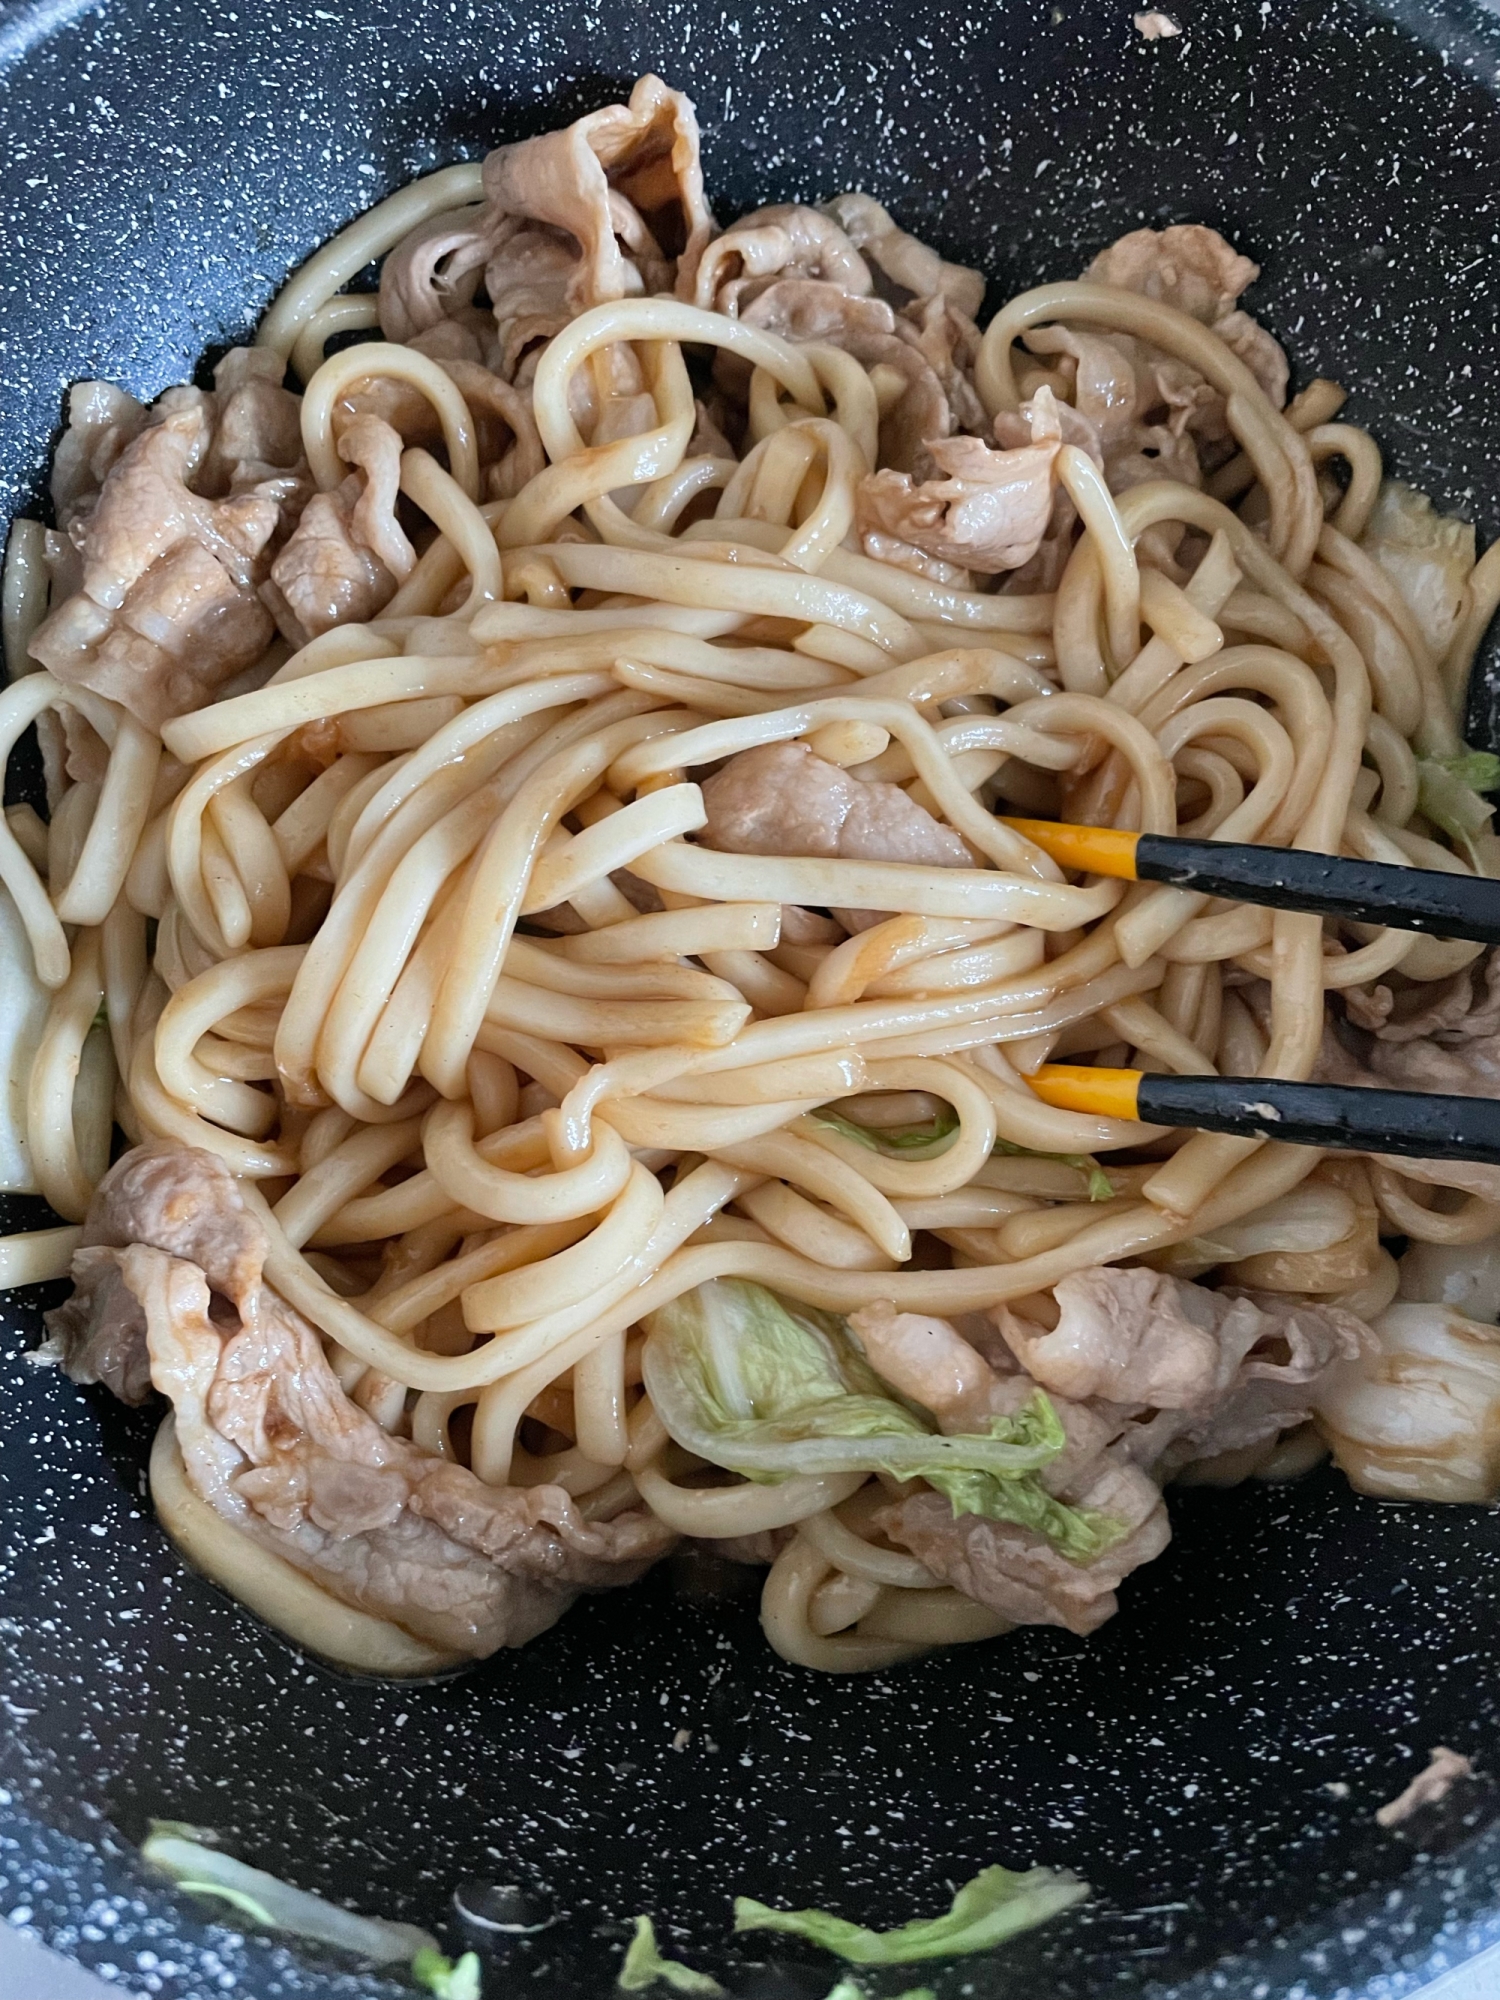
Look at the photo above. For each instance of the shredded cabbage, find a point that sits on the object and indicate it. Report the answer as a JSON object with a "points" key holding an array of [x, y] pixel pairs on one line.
{"points": [[188, 1855], [993, 1907], [644, 1965], [768, 1390], [1426, 555], [920, 1140], [1101, 1187], [445, 1977], [925, 1141], [1448, 789]]}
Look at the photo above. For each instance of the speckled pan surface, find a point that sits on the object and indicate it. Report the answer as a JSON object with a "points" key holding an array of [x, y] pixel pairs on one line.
{"points": [[1210, 1759]]}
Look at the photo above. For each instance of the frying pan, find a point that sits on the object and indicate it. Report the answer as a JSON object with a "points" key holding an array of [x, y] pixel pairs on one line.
{"points": [[1210, 1759]]}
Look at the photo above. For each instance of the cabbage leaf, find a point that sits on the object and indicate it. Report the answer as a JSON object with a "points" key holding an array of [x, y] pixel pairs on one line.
{"points": [[447, 1978], [1427, 555], [1101, 1187], [203, 1869], [921, 1141], [768, 1390], [926, 1142], [644, 1965], [1448, 789], [997, 1904]]}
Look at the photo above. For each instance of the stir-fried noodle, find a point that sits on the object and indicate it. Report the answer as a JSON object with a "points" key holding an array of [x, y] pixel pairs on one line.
{"points": [[524, 862]]}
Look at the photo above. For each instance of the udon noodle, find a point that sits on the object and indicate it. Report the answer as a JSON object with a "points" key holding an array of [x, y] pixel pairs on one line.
{"points": [[586, 909]]}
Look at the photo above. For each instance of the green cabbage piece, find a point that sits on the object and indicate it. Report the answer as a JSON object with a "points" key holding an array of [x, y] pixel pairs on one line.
{"points": [[921, 1140], [768, 1389], [188, 1855], [644, 1965], [1101, 1187], [1448, 789], [1427, 555], [993, 1907], [1079, 1533], [925, 1141], [448, 1979]]}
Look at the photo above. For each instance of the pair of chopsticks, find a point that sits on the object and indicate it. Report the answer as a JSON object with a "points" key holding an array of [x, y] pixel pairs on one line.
{"points": [[1281, 878], [1415, 1124]]}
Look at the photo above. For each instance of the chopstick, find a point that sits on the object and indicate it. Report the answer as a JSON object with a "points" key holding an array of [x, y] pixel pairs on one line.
{"points": [[1281, 878], [1413, 1123]]}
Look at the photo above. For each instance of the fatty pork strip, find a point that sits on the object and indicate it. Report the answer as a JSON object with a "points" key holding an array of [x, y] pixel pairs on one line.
{"points": [[785, 799], [1147, 1374], [169, 1295]]}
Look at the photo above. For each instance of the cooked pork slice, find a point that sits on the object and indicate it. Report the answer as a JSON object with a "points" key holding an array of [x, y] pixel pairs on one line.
{"points": [[1420, 1065], [258, 432], [1429, 1787], [948, 341], [1016, 1571], [784, 241], [807, 309], [1463, 1008], [903, 261], [990, 509], [271, 1442], [186, 1202], [1297, 1347], [1260, 351], [433, 273], [1441, 1036], [529, 279], [1463, 1069], [624, 184], [929, 1361], [167, 611], [1187, 1373], [1187, 266], [932, 1363], [102, 420], [328, 574], [179, 1200], [1192, 268], [1132, 1336], [349, 551], [98, 1333], [784, 799]]}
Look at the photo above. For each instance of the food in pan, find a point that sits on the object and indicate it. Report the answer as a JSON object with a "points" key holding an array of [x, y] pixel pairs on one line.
{"points": [[530, 755]]}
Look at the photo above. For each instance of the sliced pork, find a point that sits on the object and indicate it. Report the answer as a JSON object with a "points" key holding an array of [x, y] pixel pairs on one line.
{"points": [[171, 543], [169, 1295], [990, 509], [349, 552], [784, 799], [785, 241]]}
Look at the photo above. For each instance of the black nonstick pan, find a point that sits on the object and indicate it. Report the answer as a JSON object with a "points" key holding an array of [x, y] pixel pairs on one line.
{"points": [[1211, 1759]]}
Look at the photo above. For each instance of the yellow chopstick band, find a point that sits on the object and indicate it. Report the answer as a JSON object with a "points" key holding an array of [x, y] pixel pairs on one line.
{"points": [[1099, 850], [1107, 1093]]}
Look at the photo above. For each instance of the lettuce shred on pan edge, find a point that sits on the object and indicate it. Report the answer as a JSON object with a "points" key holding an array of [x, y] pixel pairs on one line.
{"points": [[202, 1868], [644, 1965], [996, 1905]]}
